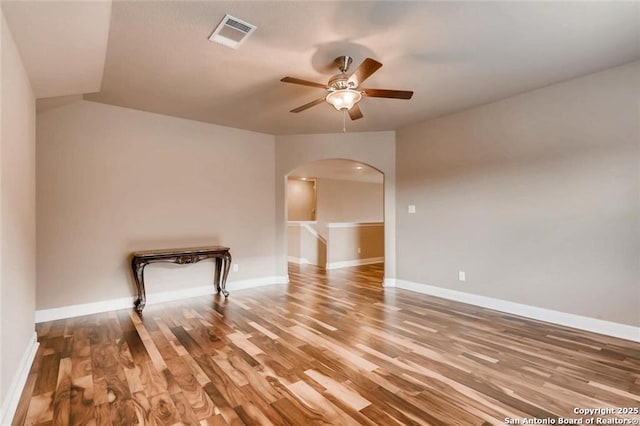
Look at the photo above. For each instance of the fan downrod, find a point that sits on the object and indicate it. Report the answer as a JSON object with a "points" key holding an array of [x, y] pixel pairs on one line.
{"points": [[343, 63]]}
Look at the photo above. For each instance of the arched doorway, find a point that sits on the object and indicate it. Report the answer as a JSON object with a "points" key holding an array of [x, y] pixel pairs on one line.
{"points": [[376, 149], [335, 214]]}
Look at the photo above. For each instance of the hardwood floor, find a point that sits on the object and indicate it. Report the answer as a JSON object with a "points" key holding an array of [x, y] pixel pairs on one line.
{"points": [[332, 348]]}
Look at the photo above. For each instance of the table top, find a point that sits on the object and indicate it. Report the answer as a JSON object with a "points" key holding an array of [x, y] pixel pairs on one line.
{"points": [[180, 251]]}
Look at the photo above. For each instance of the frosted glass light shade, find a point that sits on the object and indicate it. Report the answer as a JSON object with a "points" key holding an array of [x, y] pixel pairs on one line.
{"points": [[344, 98]]}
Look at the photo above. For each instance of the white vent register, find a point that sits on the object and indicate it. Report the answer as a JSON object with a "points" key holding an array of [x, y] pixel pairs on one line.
{"points": [[232, 32]]}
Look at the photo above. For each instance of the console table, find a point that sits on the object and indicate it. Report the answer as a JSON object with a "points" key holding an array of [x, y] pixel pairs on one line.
{"points": [[180, 256]]}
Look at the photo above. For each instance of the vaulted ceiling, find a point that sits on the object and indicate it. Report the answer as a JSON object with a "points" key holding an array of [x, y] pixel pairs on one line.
{"points": [[156, 56]]}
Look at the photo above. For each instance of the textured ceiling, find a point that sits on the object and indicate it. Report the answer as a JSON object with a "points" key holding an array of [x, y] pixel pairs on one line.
{"points": [[63, 44], [453, 55]]}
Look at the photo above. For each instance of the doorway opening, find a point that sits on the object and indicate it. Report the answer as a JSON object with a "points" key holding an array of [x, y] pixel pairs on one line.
{"points": [[335, 214]]}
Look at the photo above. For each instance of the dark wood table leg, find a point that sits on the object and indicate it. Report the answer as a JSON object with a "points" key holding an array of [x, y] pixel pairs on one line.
{"points": [[217, 274], [137, 266], [227, 265]]}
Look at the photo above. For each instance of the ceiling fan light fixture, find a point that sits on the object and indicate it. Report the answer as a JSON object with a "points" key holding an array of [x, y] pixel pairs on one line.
{"points": [[344, 91], [344, 99]]}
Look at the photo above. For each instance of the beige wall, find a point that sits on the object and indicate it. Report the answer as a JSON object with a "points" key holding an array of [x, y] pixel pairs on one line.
{"points": [[301, 199], [293, 240], [349, 201], [17, 213], [535, 197], [376, 149], [313, 248], [305, 246], [345, 240], [113, 180]]}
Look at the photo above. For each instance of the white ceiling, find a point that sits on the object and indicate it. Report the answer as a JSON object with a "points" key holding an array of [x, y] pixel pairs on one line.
{"points": [[453, 55]]}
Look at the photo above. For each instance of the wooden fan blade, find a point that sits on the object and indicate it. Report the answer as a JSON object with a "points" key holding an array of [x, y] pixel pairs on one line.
{"points": [[364, 71], [309, 105], [303, 82], [355, 112], [384, 93]]}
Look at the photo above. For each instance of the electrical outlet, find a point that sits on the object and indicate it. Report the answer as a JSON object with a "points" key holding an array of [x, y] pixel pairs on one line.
{"points": [[462, 276], [411, 208], [359, 250], [234, 267]]}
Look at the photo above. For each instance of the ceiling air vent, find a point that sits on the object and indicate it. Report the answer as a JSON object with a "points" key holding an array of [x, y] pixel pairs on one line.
{"points": [[232, 32]]}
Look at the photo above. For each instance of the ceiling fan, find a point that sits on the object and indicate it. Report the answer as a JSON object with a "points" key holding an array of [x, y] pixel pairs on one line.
{"points": [[344, 92]]}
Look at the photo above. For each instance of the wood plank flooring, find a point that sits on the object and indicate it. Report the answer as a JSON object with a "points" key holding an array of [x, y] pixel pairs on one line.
{"points": [[331, 348]]}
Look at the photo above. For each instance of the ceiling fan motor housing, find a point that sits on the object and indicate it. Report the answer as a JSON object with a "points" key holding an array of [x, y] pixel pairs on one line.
{"points": [[340, 81]]}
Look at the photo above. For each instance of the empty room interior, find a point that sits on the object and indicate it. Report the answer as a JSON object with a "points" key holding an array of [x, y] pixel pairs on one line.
{"points": [[319, 212]]}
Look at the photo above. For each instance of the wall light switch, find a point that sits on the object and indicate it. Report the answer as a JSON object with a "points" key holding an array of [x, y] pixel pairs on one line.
{"points": [[462, 276], [412, 208], [234, 267]]}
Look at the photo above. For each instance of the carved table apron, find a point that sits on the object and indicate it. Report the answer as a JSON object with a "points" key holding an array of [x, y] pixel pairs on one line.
{"points": [[181, 256]]}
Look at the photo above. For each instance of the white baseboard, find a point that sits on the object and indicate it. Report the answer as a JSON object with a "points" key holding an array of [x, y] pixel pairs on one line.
{"points": [[355, 262], [298, 260], [389, 282], [608, 328], [257, 282], [152, 298], [71, 311], [10, 403]]}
